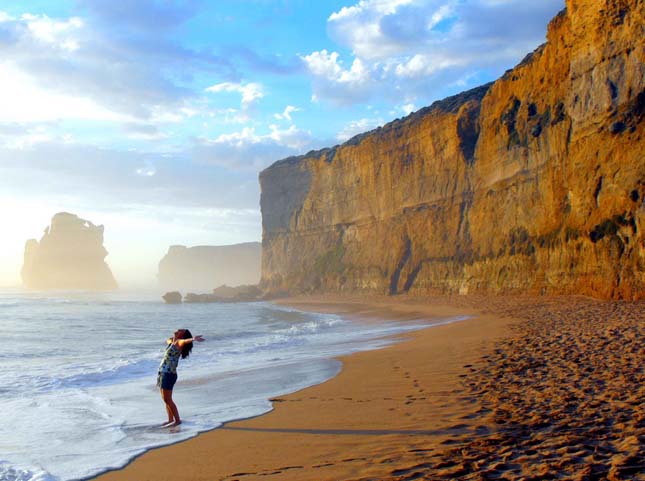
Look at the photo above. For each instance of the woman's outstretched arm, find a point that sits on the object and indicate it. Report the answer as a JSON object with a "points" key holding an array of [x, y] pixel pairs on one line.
{"points": [[181, 342]]}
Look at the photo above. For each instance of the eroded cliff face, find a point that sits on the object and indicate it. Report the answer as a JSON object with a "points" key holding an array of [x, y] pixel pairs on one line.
{"points": [[70, 255], [535, 183]]}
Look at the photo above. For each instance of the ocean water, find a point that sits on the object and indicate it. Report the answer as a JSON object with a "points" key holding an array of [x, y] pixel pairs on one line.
{"points": [[78, 373]]}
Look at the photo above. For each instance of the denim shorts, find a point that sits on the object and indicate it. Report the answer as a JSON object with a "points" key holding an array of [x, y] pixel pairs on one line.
{"points": [[166, 380]]}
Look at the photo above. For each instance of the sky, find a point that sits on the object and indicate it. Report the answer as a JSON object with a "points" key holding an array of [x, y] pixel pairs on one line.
{"points": [[154, 118]]}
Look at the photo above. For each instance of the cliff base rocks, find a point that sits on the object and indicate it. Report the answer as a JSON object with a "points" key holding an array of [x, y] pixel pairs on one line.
{"points": [[223, 293]]}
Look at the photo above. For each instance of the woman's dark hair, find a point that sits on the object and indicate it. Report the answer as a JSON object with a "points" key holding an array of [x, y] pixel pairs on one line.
{"points": [[185, 351]]}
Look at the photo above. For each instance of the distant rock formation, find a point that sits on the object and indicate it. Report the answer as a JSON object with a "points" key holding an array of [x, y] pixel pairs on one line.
{"points": [[192, 298], [70, 255], [223, 293], [173, 297], [238, 293], [201, 268], [532, 184]]}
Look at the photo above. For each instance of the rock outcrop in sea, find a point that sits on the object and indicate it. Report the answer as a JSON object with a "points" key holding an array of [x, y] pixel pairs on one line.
{"points": [[534, 183], [222, 293], [173, 297], [70, 255], [202, 268]]}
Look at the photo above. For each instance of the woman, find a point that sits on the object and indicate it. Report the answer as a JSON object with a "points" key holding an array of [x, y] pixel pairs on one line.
{"points": [[179, 345]]}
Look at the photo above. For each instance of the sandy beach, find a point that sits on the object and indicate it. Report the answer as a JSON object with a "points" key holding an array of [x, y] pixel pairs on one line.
{"points": [[526, 388]]}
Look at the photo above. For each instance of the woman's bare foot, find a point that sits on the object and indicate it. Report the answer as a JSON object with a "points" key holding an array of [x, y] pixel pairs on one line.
{"points": [[171, 424]]}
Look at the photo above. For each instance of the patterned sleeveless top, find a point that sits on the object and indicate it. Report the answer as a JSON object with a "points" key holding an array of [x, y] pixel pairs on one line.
{"points": [[170, 359]]}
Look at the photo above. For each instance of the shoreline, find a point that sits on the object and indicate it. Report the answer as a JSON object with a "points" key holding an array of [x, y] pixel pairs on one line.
{"points": [[529, 388], [296, 425]]}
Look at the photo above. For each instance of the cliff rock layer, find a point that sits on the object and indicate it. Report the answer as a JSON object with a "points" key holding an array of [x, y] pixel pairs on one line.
{"points": [[70, 255], [202, 268], [535, 183]]}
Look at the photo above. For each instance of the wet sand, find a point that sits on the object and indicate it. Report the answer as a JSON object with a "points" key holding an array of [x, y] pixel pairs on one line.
{"points": [[527, 388]]}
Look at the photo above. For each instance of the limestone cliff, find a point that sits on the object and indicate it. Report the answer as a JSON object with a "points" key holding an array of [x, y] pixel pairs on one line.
{"points": [[535, 183], [70, 255], [202, 268]]}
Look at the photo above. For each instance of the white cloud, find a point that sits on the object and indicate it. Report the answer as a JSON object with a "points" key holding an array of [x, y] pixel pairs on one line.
{"points": [[286, 114], [359, 26], [159, 114], [425, 65], [229, 116], [23, 100], [407, 109], [357, 127], [248, 150], [25, 137], [332, 81], [293, 137], [60, 33], [149, 170], [238, 139], [56, 70], [250, 92], [112, 64], [418, 48], [325, 64], [367, 9]]}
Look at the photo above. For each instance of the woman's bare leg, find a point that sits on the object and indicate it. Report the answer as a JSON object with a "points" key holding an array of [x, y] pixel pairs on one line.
{"points": [[168, 410], [171, 407]]}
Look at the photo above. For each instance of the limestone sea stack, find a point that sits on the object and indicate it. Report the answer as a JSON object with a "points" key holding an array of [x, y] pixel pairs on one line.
{"points": [[202, 268], [70, 255], [532, 184]]}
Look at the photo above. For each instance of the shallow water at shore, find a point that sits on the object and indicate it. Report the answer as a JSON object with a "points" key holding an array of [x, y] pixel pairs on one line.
{"points": [[79, 372]]}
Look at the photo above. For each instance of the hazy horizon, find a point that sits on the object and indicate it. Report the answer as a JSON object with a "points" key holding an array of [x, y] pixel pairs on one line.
{"points": [[129, 273], [155, 118]]}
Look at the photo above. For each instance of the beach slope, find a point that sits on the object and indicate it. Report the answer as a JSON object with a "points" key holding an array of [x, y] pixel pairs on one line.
{"points": [[526, 388], [382, 409]]}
